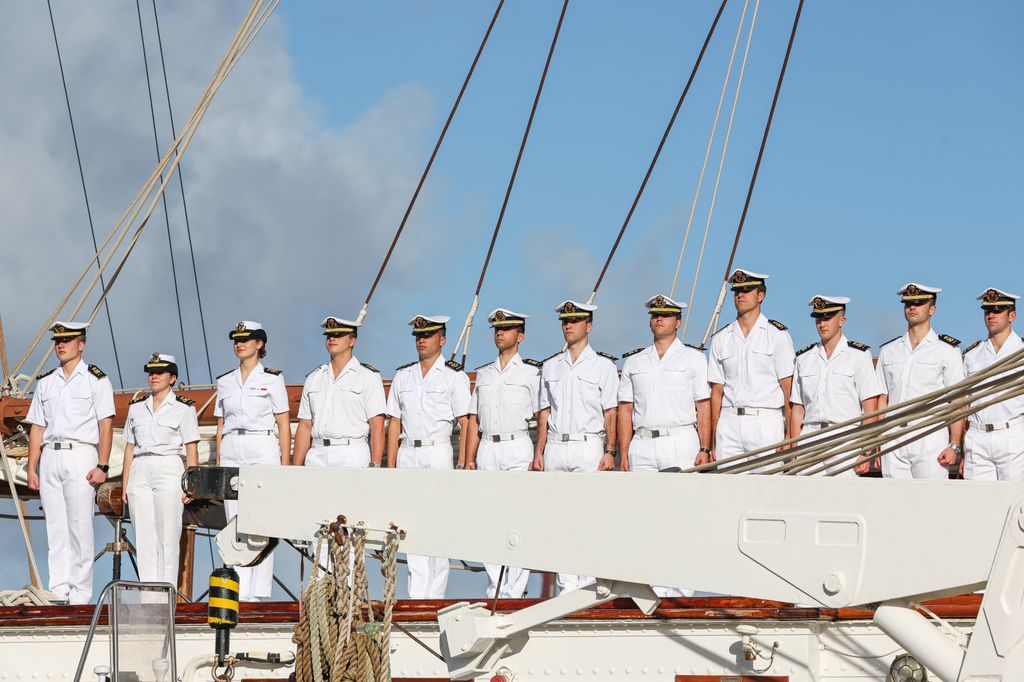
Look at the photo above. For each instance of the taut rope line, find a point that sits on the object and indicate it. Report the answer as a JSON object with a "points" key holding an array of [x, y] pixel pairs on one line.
{"points": [[464, 336], [430, 163], [657, 153]]}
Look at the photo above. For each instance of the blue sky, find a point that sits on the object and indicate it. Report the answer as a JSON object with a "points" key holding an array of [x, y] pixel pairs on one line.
{"points": [[894, 157]]}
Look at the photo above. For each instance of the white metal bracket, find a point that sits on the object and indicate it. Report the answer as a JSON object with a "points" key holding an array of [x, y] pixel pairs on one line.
{"points": [[473, 640]]}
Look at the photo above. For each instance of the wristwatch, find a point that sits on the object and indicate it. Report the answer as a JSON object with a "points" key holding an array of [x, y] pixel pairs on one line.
{"points": [[611, 453], [707, 450], [957, 449], [103, 467], [375, 465]]}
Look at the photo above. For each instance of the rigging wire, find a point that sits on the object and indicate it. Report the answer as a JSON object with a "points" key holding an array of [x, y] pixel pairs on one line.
{"points": [[430, 162], [184, 204], [85, 192], [508, 191], [256, 17], [657, 153], [721, 168], [753, 176], [163, 195], [707, 150]]}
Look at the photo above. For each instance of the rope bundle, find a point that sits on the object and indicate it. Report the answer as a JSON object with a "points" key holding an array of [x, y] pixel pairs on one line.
{"points": [[337, 638], [29, 596]]}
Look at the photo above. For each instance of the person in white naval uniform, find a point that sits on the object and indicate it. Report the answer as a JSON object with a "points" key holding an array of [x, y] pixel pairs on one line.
{"points": [[72, 418], [750, 368], [909, 366], [994, 443], [251, 401], [498, 438], [664, 415], [664, 418], [427, 399], [578, 401], [160, 428], [835, 379]]}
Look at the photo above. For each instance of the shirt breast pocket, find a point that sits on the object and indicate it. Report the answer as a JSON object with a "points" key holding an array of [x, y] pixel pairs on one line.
{"points": [[165, 430], [79, 403], [809, 384], [553, 387], [589, 390], [316, 401], [927, 374], [679, 382], [437, 405]]}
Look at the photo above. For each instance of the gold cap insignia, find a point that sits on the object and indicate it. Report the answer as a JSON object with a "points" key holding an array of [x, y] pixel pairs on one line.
{"points": [[331, 323], [59, 329], [819, 303], [569, 308], [660, 302], [739, 277], [991, 295], [912, 290], [155, 357], [240, 327], [500, 316], [420, 323]]}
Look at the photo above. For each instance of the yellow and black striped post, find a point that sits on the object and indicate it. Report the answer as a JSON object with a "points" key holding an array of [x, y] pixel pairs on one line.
{"points": [[222, 613]]}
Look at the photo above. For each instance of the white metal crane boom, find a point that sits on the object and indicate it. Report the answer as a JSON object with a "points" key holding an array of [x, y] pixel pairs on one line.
{"points": [[826, 541]]}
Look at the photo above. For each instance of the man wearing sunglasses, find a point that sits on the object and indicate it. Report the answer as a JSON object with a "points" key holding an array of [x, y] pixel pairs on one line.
{"points": [[911, 366], [994, 444]]}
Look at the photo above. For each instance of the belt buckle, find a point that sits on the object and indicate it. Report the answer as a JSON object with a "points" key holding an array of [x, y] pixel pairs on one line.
{"points": [[327, 442], [417, 443], [57, 446], [495, 438], [655, 433], [741, 411], [989, 428], [564, 437], [241, 432]]}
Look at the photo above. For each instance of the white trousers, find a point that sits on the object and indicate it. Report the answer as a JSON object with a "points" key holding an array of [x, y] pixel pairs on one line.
{"points": [[428, 575], [351, 456], [994, 455], [154, 499], [830, 467], [582, 455], [737, 434], [508, 455], [919, 459], [254, 582], [67, 500], [654, 454]]}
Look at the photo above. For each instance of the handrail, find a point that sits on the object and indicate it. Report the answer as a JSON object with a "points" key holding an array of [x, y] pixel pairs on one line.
{"points": [[109, 590]]}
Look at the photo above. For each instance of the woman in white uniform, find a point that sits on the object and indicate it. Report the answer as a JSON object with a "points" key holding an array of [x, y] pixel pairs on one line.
{"points": [[159, 427], [251, 403]]}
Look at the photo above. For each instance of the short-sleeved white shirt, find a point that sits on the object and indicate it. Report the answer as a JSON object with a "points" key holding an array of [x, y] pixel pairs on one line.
{"points": [[831, 389], [342, 406], [251, 405], [163, 432], [578, 393], [983, 355], [428, 405], [751, 367], [907, 373], [70, 409], [664, 390], [505, 400]]}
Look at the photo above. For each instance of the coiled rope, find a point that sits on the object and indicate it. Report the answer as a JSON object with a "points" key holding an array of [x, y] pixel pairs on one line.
{"points": [[337, 637]]}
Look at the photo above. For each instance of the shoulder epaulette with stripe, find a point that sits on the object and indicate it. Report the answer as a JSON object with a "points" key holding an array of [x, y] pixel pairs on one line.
{"points": [[477, 369], [690, 345], [721, 329], [221, 376], [46, 374], [271, 370], [533, 363], [550, 357], [97, 372], [307, 373], [454, 365], [778, 325], [606, 355], [632, 352], [408, 364], [946, 338], [805, 349], [895, 338], [972, 346], [370, 367], [857, 344], [184, 401], [139, 399]]}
